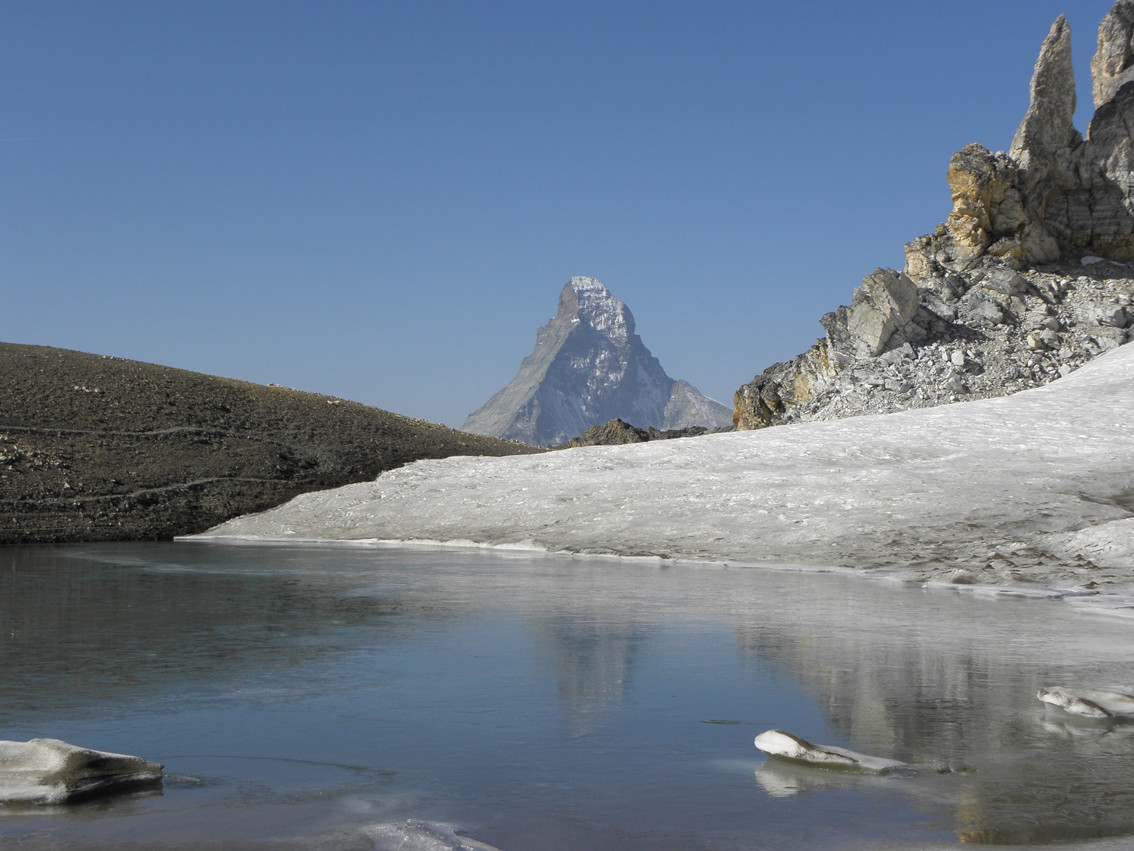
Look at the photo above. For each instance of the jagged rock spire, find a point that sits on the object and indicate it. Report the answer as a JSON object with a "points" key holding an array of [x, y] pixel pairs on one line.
{"points": [[1055, 195], [1048, 127], [1113, 63]]}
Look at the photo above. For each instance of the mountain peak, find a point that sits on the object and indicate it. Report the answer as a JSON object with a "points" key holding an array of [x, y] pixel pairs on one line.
{"points": [[587, 300], [588, 367]]}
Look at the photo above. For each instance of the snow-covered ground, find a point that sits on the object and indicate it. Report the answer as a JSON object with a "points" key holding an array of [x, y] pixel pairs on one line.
{"points": [[1033, 491]]}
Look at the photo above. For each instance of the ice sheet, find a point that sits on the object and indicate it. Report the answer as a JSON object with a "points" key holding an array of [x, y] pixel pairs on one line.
{"points": [[1033, 491]]}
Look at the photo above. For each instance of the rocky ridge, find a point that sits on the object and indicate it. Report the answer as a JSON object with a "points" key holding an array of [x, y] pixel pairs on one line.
{"points": [[589, 366], [1027, 279]]}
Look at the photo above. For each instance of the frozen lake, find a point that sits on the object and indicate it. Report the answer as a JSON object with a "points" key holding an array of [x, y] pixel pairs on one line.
{"points": [[299, 693]]}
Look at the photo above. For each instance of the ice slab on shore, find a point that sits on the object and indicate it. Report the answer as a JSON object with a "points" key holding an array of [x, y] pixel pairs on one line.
{"points": [[1032, 488], [783, 745], [48, 771], [1094, 704]]}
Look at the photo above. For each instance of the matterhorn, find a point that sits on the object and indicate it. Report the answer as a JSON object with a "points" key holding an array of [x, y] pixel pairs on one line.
{"points": [[588, 367]]}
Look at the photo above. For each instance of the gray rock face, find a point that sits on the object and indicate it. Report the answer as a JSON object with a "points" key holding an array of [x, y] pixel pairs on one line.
{"points": [[1025, 281], [589, 366], [884, 306], [1048, 129], [48, 771], [1113, 64], [985, 332]]}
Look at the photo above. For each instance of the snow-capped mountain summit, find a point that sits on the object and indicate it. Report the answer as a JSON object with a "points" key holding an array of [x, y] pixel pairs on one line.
{"points": [[594, 305], [588, 367]]}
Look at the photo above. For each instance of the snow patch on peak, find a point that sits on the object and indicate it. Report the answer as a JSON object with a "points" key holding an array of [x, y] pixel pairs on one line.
{"points": [[581, 283], [592, 303]]}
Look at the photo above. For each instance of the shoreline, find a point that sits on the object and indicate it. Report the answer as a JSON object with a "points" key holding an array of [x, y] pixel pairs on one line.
{"points": [[1113, 605]]}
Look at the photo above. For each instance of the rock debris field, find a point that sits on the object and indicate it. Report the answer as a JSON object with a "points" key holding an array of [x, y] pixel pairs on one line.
{"points": [[97, 448]]}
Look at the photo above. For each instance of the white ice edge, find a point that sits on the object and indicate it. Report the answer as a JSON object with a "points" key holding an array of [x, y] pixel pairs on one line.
{"points": [[528, 547], [1088, 602]]}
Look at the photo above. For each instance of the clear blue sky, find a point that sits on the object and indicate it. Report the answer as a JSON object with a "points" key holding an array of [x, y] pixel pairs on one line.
{"points": [[382, 200]]}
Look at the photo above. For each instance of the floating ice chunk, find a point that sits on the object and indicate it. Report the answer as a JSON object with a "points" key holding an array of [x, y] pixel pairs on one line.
{"points": [[48, 771], [414, 835], [783, 745], [1089, 703]]}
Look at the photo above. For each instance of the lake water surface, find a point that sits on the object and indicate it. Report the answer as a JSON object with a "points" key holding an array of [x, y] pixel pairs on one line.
{"points": [[298, 693]]}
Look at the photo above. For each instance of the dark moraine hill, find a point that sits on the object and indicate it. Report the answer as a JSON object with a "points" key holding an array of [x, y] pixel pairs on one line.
{"points": [[97, 448]]}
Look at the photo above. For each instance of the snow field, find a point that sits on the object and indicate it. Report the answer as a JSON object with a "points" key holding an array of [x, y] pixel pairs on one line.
{"points": [[1031, 492]]}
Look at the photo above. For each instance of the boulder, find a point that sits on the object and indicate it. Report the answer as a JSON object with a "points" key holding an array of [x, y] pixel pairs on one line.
{"points": [[48, 771], [786, 387], [617, 432], [879, 315], [613, 433], [989, 215]]}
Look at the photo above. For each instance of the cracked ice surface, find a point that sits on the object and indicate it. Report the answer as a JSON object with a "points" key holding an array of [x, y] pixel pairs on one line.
{"points": [[1033, 491]]}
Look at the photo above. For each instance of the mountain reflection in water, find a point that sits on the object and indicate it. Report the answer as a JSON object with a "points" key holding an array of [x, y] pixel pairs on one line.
{"points": [[957, 695]]}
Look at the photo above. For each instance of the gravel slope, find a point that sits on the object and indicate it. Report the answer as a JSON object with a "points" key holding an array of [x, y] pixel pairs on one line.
{"points": [[100, 448]]}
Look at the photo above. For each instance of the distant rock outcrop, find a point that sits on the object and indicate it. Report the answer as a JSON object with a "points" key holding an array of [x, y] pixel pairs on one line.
{"points": [[1025, 281], [588, 367], [617, 433]]}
